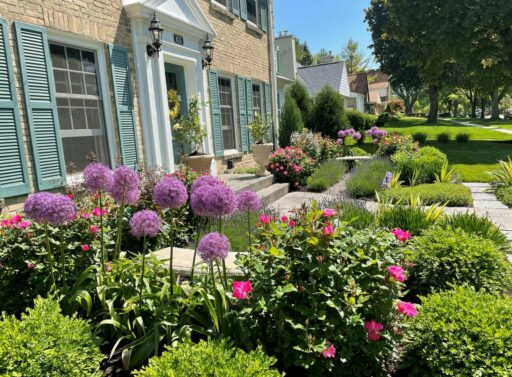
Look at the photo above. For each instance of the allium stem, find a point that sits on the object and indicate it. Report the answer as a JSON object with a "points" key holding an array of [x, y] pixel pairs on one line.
{"points": [[49, 251], [141, 286], [212, 276], [171, 272], [117, 250], [225, 282], [62, 262], [102, 243], [198, 235], [249, 231]]}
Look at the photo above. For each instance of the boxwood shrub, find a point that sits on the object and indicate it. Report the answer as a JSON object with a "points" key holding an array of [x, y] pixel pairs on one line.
{"points": [[504, 194], [453, 194], [428, 162], [367, 178], [356, 119], [214, 359], [444, 257], [46, 343], [461, 333]]}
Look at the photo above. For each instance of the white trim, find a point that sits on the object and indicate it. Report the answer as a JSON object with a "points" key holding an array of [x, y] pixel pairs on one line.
{"points": [[218, 3], [234, 107], [99, 47]]}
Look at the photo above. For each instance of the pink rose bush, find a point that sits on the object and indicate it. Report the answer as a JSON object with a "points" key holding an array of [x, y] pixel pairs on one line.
{"points": [[401, 235], [291, 165]]}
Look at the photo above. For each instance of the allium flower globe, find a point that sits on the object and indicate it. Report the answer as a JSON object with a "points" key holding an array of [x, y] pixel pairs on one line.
{"points": [[54, 209], [203, 180], [248, 201], [241, 289], [145, 223], [97, 177], [170, 193], [213, 201], [125, 185], [213, 247]]}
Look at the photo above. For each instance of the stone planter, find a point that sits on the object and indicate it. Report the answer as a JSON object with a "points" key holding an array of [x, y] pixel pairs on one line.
{"points": [[261, 154], [200, 162]]}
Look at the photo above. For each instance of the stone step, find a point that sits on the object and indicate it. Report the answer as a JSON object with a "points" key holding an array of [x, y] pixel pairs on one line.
{"points": [[244, 182], [273, 193]]}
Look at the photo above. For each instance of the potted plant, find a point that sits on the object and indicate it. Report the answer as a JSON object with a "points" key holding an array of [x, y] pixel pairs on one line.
{"points": [[189, 130], [261, 151]]}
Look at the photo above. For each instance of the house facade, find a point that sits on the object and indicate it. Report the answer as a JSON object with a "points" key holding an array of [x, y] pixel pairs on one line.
{"points": [[286, 65], [380, 90], [359, 92], [76, 82]]}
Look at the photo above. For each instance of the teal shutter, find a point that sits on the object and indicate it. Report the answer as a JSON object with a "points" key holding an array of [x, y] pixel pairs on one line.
{"points": [[249, 109], [123, 97], [235, 7], [218, 143], [264, 13], [268, 112], [40, 103], [243, 10], [242, 112], [13, 167]]}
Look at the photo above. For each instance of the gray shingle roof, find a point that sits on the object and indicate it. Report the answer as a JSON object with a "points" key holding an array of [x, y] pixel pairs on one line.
{"points": [[315, 77]]}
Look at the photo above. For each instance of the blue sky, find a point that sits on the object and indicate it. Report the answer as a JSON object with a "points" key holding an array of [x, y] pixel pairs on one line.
{"points": [[324, 23]]}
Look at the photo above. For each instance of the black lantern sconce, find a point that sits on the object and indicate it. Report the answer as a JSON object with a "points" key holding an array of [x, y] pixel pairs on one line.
{"points": [[156, 32], [208, 53]]}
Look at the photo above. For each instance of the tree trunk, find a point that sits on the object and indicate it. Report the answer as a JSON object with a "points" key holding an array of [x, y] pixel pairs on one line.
{"points": [[433, 95], [455, 108], [495, 112], [482, 114], [408, 107], [474, 102]]}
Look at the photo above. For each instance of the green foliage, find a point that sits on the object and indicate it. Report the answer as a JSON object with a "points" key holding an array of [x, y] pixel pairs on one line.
{"points": [[445, 257], [291, 165], [443, 137], [414, 219], [356, 119], [290, 121], [446, 175], [353, 213], [473, 224], [367, 178], [503, 176], [235, 229], [212, 359], [326, 175], [369, 121], [259, 129], [382, 119], [428, 161], [304, 102], [328, 115], [462, 137], [46, 343], [504, 194], [453, 195], [461, 333], [397, 143], [308, 142], [245, 170], [319, 290], [189, 129], [419, 137]]}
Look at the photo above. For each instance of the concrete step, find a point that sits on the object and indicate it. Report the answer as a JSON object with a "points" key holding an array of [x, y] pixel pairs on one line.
{"points": [[273, 193], [244, 182]]}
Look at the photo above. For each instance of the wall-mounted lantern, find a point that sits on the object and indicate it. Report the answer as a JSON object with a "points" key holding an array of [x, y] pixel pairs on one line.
{"points": [[208, 53], [156, 32]]}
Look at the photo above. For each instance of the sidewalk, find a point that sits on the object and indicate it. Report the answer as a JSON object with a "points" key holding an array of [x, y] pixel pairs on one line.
{"points": [[463, 123]]}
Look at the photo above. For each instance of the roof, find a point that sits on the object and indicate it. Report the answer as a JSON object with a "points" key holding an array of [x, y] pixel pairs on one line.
{"points": [[377, 76], [358, 83], [316, 77]]}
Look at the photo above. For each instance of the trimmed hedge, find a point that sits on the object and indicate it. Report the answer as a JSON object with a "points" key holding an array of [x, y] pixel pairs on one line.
{"points": [[428, 162], [461, 333], [454, 195], [504, 194]]}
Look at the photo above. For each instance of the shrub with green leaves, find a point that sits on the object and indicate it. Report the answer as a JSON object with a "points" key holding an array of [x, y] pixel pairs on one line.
{"points": [[213, 359], [326, 175], [462, 137], [503, 176], [314, 285], [369, 121], [303, 100], [328, 116], [504, 194], [443, 137], [367, 178], [382, 119], [428, 162], [452, 194], [46, 343], [290, 121], [419, 137], [356, 119], [414, 219], [461, 333], [445, 257]]}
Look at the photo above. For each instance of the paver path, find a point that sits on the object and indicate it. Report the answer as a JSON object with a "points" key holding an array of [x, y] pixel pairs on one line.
{"points": [[464, 123]]}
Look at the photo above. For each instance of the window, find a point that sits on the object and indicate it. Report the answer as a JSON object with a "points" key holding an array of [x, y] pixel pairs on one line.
{"points": [[221, 2], [252, 14], [226, 113], [79, 105], [256, 99]]}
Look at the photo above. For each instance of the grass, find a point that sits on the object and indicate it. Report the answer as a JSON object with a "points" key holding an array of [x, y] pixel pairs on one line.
{"points": [[504, 194], [453, 195], [245, 170], [326, 175], [367, 178]]}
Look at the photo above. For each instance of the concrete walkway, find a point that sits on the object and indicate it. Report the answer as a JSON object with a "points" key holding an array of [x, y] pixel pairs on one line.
{"points": [[464, 123]]}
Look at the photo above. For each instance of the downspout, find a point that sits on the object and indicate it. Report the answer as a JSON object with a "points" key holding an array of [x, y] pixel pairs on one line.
{"points": [[273, 79]]}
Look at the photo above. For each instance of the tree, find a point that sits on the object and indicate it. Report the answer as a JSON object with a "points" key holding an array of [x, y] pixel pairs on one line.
{"points": [[302, 53], [303, 100], [353, 57], [290, 121], [328, 115]]}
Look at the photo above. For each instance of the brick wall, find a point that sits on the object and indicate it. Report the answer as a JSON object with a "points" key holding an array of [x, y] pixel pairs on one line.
{"points": [[97, 20]]}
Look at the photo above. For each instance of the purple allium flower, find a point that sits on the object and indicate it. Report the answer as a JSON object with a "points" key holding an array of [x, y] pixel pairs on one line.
{"points": [[356, 136], [213, 247], [145, 223], [375, 141], [54, 209], [248, 201], [213, 201], [125, 185], [350, 132], [369, 132], [341, 134], [170, 193], [205, 180], [97, 177], [386, 182], [382, 133], [340, 141]]}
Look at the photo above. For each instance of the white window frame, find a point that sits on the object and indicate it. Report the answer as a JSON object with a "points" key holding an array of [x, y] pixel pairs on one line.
{"points": [[103, 82], [218, 3], [260, 84], [258, 16], [234, 98]]}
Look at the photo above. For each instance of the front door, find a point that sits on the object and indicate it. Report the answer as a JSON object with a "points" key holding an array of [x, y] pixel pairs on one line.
{"points": [[175, 80]]}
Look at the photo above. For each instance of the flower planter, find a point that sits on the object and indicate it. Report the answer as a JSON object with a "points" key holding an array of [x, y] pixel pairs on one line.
{"points": [[261, 154], [200, 162]]}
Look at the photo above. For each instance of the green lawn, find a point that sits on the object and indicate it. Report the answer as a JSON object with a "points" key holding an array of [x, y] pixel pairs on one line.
{"points": [[471, 160]]}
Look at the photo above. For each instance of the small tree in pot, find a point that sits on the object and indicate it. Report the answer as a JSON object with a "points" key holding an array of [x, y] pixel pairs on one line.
{"points": [[189, 130], [261, 151]]}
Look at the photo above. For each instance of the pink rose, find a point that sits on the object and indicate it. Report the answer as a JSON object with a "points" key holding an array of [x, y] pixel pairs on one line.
{"points": [[328, 230], [86, 215], [374, 328], [108, 266], [407, 308], [31, 265], [23, 224], [15, 219], [328, 212], [291, 223], [241, 289], [94, 229], [397, 273], [329, 352], [284, 219], [96, 211], [85, 247], [401, 235], [265, 219]]}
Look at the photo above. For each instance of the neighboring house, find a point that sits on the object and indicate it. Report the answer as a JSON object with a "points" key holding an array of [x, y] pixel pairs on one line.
{"points": [[286, 65], [380, 90], [77, 80], [316, 77], [359, 92]]}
